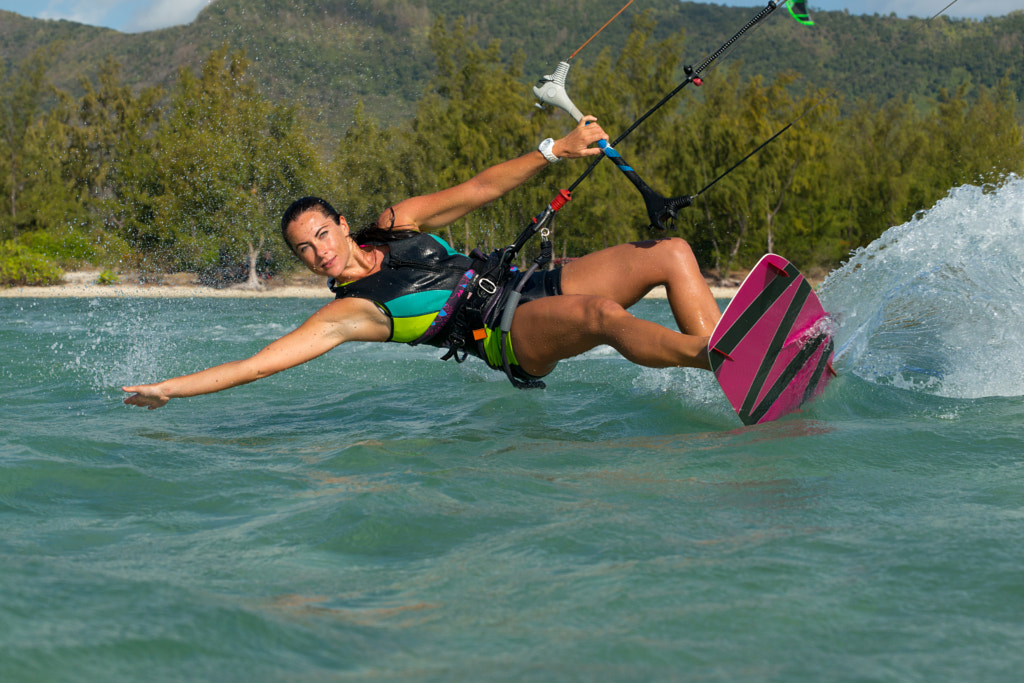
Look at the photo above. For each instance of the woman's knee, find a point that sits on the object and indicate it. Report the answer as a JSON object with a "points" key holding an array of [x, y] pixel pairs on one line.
{"points": [[679, 250], [675, 259], [602, 316]]}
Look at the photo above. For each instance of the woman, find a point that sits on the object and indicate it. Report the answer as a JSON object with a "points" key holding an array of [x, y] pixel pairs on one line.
{"points": [[562, 314]]}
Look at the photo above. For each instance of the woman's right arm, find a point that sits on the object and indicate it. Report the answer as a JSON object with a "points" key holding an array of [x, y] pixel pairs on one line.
{"points": [[432, 211], [338, 322]]}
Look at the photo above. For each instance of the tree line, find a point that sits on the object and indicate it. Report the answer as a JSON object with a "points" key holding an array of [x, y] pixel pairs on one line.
{"points": [[196, 177]]}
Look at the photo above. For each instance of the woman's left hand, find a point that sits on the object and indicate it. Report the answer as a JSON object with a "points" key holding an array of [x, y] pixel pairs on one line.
{"points": [[578, 142], [149, 396]]}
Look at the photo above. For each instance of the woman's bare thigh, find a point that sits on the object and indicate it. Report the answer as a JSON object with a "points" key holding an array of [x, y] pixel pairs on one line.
{"points": [[626, 272], [547, 330], [623, 273]]}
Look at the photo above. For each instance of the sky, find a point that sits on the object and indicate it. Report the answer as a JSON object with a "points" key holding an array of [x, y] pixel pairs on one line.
{"points": [[132, 16], [129, 16]]}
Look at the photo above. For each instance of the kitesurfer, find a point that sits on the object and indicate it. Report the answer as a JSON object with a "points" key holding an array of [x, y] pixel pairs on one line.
{"points": [[395, 284]]}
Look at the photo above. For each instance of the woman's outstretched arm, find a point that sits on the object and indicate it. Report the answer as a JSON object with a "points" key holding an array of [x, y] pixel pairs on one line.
{"points": [[337, 322], [436, 210]]}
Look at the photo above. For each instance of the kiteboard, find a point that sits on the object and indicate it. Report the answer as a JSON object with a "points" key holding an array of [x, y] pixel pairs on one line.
{"points": [[772, 350]]}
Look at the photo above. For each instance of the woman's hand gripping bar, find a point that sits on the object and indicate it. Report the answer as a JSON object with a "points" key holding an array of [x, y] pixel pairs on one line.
{"points": [[551, 90]]}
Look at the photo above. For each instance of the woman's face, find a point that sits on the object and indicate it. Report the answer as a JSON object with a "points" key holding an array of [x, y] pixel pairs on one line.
{"points": [[320, 243]]}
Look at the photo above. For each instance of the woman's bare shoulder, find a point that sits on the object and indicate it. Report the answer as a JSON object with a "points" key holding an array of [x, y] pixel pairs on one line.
{"points": [[354, 319]]}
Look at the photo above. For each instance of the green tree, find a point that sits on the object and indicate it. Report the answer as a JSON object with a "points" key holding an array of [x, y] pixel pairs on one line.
{"points": [[228, 163], [618, 91], [50, 208], [807, 227], [476, 113], [111, 149], [977, 141], [84, 154], [879, 169], [21, 94], [722, 131], [374, 167]]}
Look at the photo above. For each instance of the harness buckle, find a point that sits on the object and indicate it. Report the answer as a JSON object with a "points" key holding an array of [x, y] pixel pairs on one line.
{"points": [[487, 286]]}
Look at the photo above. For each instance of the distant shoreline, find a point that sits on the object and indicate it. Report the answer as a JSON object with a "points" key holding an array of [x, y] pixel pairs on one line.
{"points": [[82, 284]]}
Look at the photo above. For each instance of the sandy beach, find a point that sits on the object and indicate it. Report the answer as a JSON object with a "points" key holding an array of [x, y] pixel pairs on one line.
{"points": [[83, 284]]}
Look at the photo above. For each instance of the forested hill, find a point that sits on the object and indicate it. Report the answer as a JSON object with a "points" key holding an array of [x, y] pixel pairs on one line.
{"points": [[329, 54], [194, 174]]}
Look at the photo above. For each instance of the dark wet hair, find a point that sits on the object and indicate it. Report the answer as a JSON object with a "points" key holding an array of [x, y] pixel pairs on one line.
{"points": [[301, 206], [374, 234], [371, 234]]}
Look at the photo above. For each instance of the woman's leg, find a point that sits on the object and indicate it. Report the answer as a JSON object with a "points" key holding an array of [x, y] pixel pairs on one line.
{"points": [[545, 331], [625, 273], [598, 288]]}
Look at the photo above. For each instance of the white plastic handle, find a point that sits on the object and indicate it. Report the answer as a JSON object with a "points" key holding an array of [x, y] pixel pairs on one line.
{"points": [[551, 90]]}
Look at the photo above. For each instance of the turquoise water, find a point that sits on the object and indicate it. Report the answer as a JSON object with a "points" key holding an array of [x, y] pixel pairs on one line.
{"points": [[380, 515]]}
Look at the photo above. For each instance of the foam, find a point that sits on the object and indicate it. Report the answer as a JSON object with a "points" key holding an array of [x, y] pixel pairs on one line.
{"points": [[937, 304]]}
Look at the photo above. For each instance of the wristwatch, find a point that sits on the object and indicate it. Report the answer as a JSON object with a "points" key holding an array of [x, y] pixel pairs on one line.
{"points": [[545, 149]]}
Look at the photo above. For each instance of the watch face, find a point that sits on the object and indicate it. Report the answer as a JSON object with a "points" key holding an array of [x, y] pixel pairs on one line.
{"points": [[545, 148]]}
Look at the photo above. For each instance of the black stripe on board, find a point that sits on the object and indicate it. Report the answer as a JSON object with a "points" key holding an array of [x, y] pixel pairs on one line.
{"points": [[770, 356], [826, 354], [751, 314], [787, 376]]}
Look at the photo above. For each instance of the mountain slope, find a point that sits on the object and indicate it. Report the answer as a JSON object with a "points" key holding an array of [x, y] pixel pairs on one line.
{"points": [[327, 54]]}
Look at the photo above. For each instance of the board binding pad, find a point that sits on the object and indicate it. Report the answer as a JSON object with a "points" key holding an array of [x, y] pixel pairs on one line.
{"points": [[772, 350]]}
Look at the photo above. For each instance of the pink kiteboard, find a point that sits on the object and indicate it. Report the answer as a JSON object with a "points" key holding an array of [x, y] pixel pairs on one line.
{"points": [[772, 350]]}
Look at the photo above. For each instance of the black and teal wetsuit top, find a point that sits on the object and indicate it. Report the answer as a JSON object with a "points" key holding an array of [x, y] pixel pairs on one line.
{"points": [[416, 278], [419, 284]]}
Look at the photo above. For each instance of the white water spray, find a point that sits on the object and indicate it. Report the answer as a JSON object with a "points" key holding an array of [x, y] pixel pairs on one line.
{"points": [[937, 304]]}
